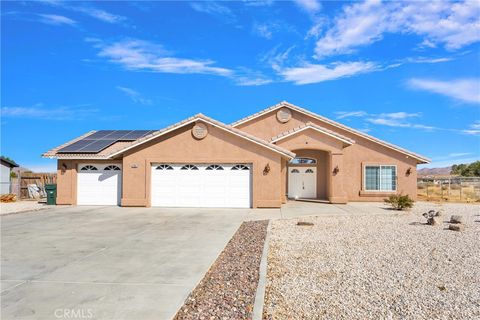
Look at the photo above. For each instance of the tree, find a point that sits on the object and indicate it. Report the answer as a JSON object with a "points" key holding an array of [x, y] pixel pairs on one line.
{"points": [[467, 170]]}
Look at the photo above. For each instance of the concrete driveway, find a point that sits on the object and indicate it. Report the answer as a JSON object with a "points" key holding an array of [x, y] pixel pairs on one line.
{"points": [[108, 262]]}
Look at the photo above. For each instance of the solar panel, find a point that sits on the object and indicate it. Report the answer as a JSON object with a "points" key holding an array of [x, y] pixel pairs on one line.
{"points": [[101, 139], [74, 147], [97, 146]]}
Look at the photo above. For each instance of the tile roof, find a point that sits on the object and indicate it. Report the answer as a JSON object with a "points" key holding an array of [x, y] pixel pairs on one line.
{"points": [[335, 124], [122, 146], [313, 126]]}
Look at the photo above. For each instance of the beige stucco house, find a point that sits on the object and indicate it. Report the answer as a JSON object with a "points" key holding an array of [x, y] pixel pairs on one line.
{"points": [[260, 161]]}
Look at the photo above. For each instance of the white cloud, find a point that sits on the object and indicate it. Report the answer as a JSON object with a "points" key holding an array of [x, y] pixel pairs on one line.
{"points": [[454, 25], [350, 114], [474, 129], [311, 6], [265, 30], [88, 10], [466, 90], [399, 115], [56, 20], [458, 154], [100, 14], [214, 9], [258, 3], [135, 96], [146, 56], [40, 111], [314, 73]]}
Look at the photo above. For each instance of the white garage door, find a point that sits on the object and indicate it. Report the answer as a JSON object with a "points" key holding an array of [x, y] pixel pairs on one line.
{"points": [[99, 184], [201, 185]]}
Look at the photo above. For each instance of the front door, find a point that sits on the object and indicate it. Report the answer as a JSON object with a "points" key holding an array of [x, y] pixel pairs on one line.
{"points": [[302, 182]]}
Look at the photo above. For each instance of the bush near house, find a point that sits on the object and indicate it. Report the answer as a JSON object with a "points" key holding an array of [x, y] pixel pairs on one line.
{"points": [[400, 202]]}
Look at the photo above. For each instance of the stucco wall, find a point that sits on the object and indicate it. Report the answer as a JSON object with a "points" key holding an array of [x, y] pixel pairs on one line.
{"points": [[218, 146], [354, 157]]}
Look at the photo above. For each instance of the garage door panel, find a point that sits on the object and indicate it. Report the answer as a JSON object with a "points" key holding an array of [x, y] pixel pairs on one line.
{"points": [[209, 186], [99, 184]]}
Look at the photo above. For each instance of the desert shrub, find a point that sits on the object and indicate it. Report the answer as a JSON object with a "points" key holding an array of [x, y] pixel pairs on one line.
{"points": [[399, 201]]}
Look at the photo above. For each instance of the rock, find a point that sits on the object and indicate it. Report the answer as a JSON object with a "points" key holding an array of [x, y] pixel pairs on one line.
{"points": [[304, 223], [456, 227], [456, 219]]}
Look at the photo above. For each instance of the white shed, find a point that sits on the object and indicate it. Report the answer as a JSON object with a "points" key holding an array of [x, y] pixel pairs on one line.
{"points": [[6, 167]]}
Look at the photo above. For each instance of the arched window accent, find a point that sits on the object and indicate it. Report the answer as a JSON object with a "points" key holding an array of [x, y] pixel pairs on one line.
{"points": [[240, 167], [302, 160], [112, 167], [189, 167], [164, 167], [295, 171], [309, 171], [214, 167], [88, 168]]}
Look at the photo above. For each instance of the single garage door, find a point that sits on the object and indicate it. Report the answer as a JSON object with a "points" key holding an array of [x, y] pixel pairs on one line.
{"points": [[201, 185], [99, 184]]}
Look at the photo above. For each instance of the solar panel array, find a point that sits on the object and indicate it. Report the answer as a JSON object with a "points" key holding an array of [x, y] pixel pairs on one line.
{"points": [[102, 139]]}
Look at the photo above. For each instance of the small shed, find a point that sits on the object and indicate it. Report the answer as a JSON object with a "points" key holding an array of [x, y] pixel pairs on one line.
{"points": [[6, 167]]}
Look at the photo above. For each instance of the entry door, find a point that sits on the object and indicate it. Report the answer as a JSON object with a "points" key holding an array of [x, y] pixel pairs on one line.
{"points": [[302, 182], [201, 185]]}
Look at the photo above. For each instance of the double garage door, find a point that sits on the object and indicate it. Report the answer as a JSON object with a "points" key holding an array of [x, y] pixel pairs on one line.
{"points": [[201, 185]]}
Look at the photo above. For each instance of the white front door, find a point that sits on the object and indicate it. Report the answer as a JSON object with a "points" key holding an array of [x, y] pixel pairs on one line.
{"points": [[302, 182], [201, 185], [99, 184]]}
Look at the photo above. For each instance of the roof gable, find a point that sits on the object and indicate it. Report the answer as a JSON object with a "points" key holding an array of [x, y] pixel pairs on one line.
{"points": [[113, 152], [285, 104], [315, 127]]}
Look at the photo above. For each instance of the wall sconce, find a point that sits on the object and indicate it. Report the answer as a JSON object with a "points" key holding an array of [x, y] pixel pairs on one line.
{"points": [[134, 166], [266, 170], [63, 168], [409, 171], [336, 170]]}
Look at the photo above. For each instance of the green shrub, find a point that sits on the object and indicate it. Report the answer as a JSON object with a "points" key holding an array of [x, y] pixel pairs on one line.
{"points": [[400, 202]]}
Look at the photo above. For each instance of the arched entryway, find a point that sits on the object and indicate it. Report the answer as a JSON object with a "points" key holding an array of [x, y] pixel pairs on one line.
{"points": [[307, 176]]}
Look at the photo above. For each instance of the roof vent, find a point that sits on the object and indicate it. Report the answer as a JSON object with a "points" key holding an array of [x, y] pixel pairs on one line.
{"points": [[284, 115], [199, 130]]}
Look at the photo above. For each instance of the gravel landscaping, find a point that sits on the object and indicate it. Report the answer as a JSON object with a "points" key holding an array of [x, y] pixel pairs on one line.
{"points": [[375, 266], [228, 289]]}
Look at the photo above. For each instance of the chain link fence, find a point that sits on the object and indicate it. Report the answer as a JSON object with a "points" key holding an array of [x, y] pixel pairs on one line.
{"points": [[462, 189]]}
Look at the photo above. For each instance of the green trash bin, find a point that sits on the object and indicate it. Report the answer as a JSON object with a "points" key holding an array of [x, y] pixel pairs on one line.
{"points": [[51, 190]]}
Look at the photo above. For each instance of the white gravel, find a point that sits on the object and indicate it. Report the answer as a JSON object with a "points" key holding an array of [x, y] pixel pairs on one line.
{"points": [[375, 266], [20, 206]]}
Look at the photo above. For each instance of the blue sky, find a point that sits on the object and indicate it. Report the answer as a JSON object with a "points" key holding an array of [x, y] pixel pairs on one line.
{"points": [[405, 72]]}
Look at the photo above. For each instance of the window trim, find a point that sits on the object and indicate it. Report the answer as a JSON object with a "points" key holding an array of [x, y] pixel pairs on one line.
{"points": [[303, 164], [364, 177]]}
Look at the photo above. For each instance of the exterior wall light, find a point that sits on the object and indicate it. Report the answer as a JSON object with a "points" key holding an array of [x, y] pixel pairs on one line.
{"points": [[409, 171], [63, 168], [336, 170], [266, 170]]}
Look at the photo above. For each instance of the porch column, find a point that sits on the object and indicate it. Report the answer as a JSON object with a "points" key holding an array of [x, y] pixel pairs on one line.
{"points": [[336, 179]]}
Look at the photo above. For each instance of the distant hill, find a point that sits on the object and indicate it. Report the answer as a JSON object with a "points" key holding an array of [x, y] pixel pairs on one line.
{"points": [[434, 171]]}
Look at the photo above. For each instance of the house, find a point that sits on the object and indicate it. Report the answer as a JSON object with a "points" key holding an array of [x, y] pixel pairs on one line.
{"points": [[6, 167], [281, 152]]}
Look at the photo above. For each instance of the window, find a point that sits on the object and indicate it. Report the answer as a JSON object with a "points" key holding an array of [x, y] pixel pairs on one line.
{"points": [[189, 167], [214, 167], [164, 167], [240, 167], [112, 167], [303, 161], [295, 171], [309, 171], [88, 168], [380, 178]]}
